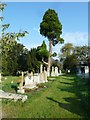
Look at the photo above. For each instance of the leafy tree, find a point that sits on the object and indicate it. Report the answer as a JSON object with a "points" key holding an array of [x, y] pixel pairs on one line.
{"points": [[32, 62], [82, 52], [70, 63], [74, 56], [7, 45], [66, 51], [51, 28], [56, 63], [42, 52]]}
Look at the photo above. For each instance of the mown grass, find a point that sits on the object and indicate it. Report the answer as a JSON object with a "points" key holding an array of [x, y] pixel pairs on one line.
{"points": [[64, 97]]}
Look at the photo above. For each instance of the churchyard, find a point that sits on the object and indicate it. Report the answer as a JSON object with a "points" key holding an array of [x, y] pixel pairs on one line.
{"points": [[40, 82], [63, 97]]}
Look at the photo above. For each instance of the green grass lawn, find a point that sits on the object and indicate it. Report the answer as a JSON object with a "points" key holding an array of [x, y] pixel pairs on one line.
{"points": [[64, 97]]}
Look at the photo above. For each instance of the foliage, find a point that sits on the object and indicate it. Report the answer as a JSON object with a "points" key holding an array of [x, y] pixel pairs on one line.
{"points": [[42, 52], [56, 63], [9, 48], [32, 61], [54, 54], [51, 27], [70, 63], [66, 51], [73, 57]]}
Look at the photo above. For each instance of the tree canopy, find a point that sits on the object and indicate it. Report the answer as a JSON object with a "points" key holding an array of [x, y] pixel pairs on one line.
{"points": [[51, 27]]}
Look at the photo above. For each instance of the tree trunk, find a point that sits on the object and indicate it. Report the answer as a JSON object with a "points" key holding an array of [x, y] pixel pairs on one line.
{"points": [[49, 59]]}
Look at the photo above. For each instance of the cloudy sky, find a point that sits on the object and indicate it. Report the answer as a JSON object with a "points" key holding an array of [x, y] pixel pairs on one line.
{"points": [[28, 15]]}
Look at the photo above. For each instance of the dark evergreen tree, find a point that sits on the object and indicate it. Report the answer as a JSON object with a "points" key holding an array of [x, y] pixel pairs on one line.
{"points": [[51, 28]]}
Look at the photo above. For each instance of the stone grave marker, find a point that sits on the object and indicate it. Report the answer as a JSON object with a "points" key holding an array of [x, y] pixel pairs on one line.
{"points": [[29, 81], [52, 72], [0, 78], [45, 75], [56, 71]]}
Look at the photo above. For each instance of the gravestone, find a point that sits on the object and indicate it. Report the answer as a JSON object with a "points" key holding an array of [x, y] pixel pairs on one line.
{"points": [[68, 71], [0, 78], [41, 67], [41, 78], [36, 78], [79, 72], [60, 73], [56, 71], [86, 71], [48, 74], [45, 75], [52, 72], [30, 75], [12, 96], [21, 89], [29, 81]]}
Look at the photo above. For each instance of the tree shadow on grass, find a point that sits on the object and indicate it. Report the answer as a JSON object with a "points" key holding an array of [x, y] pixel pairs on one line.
{"points": [[72, 106], [14, 87], [80, 90], [66, 83]]}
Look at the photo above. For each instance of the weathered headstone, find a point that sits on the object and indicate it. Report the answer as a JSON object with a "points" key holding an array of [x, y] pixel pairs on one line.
{"points": [[86, 71], [60, 73], [45, 75], [29, 81], [52, 72], [79, 72], [0, 78], [21, 89], [12, 96], [56, 71], [30, 75], [68, 71], [41, 67], [41, 78], [48, 74], [36, 78]]}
